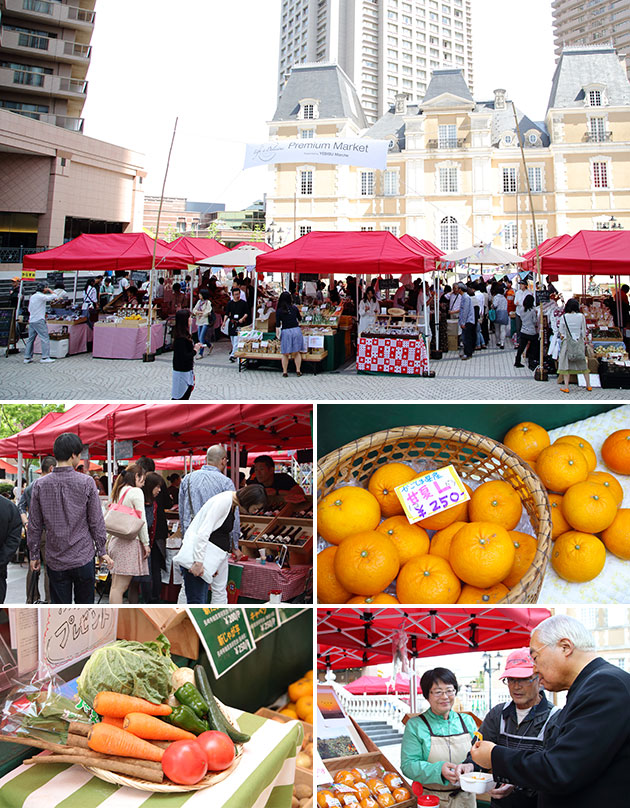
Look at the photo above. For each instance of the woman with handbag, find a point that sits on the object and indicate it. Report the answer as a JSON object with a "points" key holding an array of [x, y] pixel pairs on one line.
{"points": [[292, 343], [204, 317], [572, 357], [203, 556], [128, 546]]}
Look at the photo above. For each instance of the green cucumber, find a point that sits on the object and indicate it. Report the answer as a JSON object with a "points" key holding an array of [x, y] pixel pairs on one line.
{"points": [[215, 716]]}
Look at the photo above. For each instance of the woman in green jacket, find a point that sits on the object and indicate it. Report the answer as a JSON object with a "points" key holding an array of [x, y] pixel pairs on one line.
{"points": [[437, 740]]}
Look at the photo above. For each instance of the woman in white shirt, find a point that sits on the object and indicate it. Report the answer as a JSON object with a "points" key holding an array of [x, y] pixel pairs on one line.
{"points": [[203, 313], [573, 327], [129, 556], [368, 309]]}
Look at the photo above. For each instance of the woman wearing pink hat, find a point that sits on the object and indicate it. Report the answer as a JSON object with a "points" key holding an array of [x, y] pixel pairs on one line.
{"points": [[521, 724]]}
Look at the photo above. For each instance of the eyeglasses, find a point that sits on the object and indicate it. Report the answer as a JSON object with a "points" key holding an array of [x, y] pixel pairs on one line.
{"points": [[449, 691], [512, 681]]}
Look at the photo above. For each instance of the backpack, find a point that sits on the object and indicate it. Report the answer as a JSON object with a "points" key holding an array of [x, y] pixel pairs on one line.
{"points": [[575, 349]]}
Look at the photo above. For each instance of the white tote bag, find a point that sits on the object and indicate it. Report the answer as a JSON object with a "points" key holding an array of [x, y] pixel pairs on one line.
{"points": [[209, 518]]}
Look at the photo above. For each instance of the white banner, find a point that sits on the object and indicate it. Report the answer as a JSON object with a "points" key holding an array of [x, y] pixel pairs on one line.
{"points": [[348, 152]]}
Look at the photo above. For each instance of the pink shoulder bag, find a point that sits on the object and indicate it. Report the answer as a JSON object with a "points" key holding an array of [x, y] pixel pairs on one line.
{"points": [[122, 521]]}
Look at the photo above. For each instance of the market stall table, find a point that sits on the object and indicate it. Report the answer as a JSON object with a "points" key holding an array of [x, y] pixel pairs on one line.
{"points": [[258, 580], [78, 332], [115, 341], [264, 777], [311, 358], [377, 354]]}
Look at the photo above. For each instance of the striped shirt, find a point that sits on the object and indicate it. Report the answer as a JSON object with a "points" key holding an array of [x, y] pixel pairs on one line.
{"points": [[204, 484], [65, 504]]}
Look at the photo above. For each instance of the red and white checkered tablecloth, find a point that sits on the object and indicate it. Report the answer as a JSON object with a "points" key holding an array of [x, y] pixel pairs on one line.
{"points": [[405, 356], [259, 579]]}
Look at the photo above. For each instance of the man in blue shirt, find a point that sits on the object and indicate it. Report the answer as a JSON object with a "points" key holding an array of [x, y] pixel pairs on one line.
{"points": [[466, 320]]}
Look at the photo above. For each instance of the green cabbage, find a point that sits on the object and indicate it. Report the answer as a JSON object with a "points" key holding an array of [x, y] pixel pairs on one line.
{"points": [[133, 668]]}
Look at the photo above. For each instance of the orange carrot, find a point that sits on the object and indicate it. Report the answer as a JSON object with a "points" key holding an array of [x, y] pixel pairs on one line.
{"points": [[117, 705], [113, 741], [114, 722], [153, 729]]}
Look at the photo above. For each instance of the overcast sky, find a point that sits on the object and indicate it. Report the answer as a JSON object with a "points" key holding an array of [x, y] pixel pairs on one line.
{"points": [[214, 65]]}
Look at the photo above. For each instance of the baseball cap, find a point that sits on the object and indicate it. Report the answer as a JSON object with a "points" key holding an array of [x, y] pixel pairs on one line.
{"points": [[518, 664]]}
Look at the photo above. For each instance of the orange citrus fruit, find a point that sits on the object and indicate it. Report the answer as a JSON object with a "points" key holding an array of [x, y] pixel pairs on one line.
{"points": [[366, 563], [385, 480], [473, 594], [616, 537], [410, 540], [458, 513], [299, 688], [527, 440], [326, 799], [368, 802], [616, 451], [441, 540], [526, 547], [385, 799], [578, 557], [482, 554], [377, 786], [289, 713], [584, 445], [344, 776], [559, 524], [361, 789], [401, 794], [392, 780], [427, 579], [345, 511], [610, 482], [381, 597], [589, 507], [496, 501], [561, 466], [329, 590], [304, 706]]}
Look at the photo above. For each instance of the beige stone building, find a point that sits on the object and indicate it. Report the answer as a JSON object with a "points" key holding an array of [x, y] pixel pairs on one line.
{"points": [[611, 628], [454, 171]]}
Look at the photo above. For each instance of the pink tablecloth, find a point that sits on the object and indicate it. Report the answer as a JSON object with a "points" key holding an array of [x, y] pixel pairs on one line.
{"points": [[259, 579], [78, 337], [124, 342]]}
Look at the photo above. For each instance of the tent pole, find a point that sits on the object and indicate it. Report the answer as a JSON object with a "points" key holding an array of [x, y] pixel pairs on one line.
{"points": [[17, 312], [427, 327], [110, 474], [148, 356], [254, 312], [618, 302], [20, 463], [74, 291]]}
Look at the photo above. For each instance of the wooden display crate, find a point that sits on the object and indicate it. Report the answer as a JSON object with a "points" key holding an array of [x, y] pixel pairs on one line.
{"points": [[274, 525], [305, 777], [144, 624], [370, 758]]}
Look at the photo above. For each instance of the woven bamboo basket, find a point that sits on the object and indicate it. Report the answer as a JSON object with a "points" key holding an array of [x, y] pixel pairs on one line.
{"points": [[475, 457], [211, 779]]}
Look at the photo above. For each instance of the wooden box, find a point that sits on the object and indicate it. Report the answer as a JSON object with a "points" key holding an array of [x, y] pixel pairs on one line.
{"points": [[144, 624], [353, 761], [305, 777]]}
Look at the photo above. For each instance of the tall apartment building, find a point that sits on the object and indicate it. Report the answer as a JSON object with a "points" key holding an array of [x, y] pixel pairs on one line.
{"points": [[44, 59], [385, 47], [592, 22]]}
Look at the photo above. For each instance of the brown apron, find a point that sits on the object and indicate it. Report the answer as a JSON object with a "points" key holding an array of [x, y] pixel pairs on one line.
{"points": [[453, 748]]}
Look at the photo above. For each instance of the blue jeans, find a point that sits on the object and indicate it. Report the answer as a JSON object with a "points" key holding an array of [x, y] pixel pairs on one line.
{"points": [[62, 582], [480, 339], [195, 586], [201, 337], [38, 328]]}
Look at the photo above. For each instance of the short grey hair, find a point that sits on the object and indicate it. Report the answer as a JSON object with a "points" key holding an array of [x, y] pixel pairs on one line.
{"points": [[560, 627], [215, 455]]}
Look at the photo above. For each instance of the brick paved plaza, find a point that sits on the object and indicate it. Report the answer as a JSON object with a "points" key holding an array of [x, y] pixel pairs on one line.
{"points": [[489, 375]]}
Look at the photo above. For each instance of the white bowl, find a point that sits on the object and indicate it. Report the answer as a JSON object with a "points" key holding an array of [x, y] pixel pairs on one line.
{"points": [[476, 782]]}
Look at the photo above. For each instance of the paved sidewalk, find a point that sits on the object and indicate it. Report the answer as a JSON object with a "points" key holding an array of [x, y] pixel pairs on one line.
{"points": [[489, 376]]}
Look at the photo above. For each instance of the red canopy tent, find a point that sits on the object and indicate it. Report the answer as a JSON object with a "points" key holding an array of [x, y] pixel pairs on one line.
{"points": [[548, 244], [166, 429], [100, 252], [197, 248], [355, 253], [379, 685], [261, 245], [427, 249], [177, 463], [589, 252], [356, 637]]}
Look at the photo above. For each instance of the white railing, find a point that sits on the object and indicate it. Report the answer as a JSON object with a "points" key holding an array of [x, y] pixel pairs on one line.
{"points": [[390, 709]]}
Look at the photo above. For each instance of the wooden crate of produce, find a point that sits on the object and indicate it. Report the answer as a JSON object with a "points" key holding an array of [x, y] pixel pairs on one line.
{"points": [[369, 759]]}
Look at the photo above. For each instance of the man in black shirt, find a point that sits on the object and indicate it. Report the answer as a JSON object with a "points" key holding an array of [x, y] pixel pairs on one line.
{"points": [[586, 754], [279, 486], [237, 313], [10, 535]]}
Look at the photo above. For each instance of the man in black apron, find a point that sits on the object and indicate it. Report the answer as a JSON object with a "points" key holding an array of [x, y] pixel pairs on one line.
{"points": [[521, 724], [586, 756]]}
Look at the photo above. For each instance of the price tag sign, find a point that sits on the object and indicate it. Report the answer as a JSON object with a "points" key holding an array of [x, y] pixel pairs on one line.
{"points": [[28, 274], [262, 621], [316, 342], [226, 635], [432, 493]]}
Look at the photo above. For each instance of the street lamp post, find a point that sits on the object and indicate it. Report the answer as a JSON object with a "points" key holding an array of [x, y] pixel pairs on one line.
{"points": [[490, 669]]}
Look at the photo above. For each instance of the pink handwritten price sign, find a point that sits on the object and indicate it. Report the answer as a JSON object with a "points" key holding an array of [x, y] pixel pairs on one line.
{"points": [[432, 493]]}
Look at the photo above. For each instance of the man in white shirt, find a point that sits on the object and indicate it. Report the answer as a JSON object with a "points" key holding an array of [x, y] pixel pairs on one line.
{"points": [[37, 323], [519, 297]]}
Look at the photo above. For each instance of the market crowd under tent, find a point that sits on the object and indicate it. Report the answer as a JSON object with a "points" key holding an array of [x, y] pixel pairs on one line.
{"points": [[356, 637]]}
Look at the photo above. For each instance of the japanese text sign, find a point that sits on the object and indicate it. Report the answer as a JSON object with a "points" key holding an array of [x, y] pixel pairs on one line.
{"points": [[226, 635], [431, 493]]}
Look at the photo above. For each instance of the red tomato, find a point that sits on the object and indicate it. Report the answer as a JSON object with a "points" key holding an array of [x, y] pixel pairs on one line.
{"points": [[218, 749], [184, 762]]}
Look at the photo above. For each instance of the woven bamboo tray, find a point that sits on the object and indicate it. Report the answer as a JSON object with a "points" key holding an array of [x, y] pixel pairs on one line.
{"points": [[475, 457], [210, 779]]}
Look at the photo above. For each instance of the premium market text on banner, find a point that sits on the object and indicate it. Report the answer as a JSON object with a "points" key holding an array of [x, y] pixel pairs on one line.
{"points": [[346, 152]]}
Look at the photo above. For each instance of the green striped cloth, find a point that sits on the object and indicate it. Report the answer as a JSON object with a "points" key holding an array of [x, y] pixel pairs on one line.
{"points": [[263, 779]]}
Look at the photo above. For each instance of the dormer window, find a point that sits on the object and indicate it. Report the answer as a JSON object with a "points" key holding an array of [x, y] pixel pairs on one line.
{"points": [[595, 95], [594, 98], [507, 140], [309, 109], [533, 138]]}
